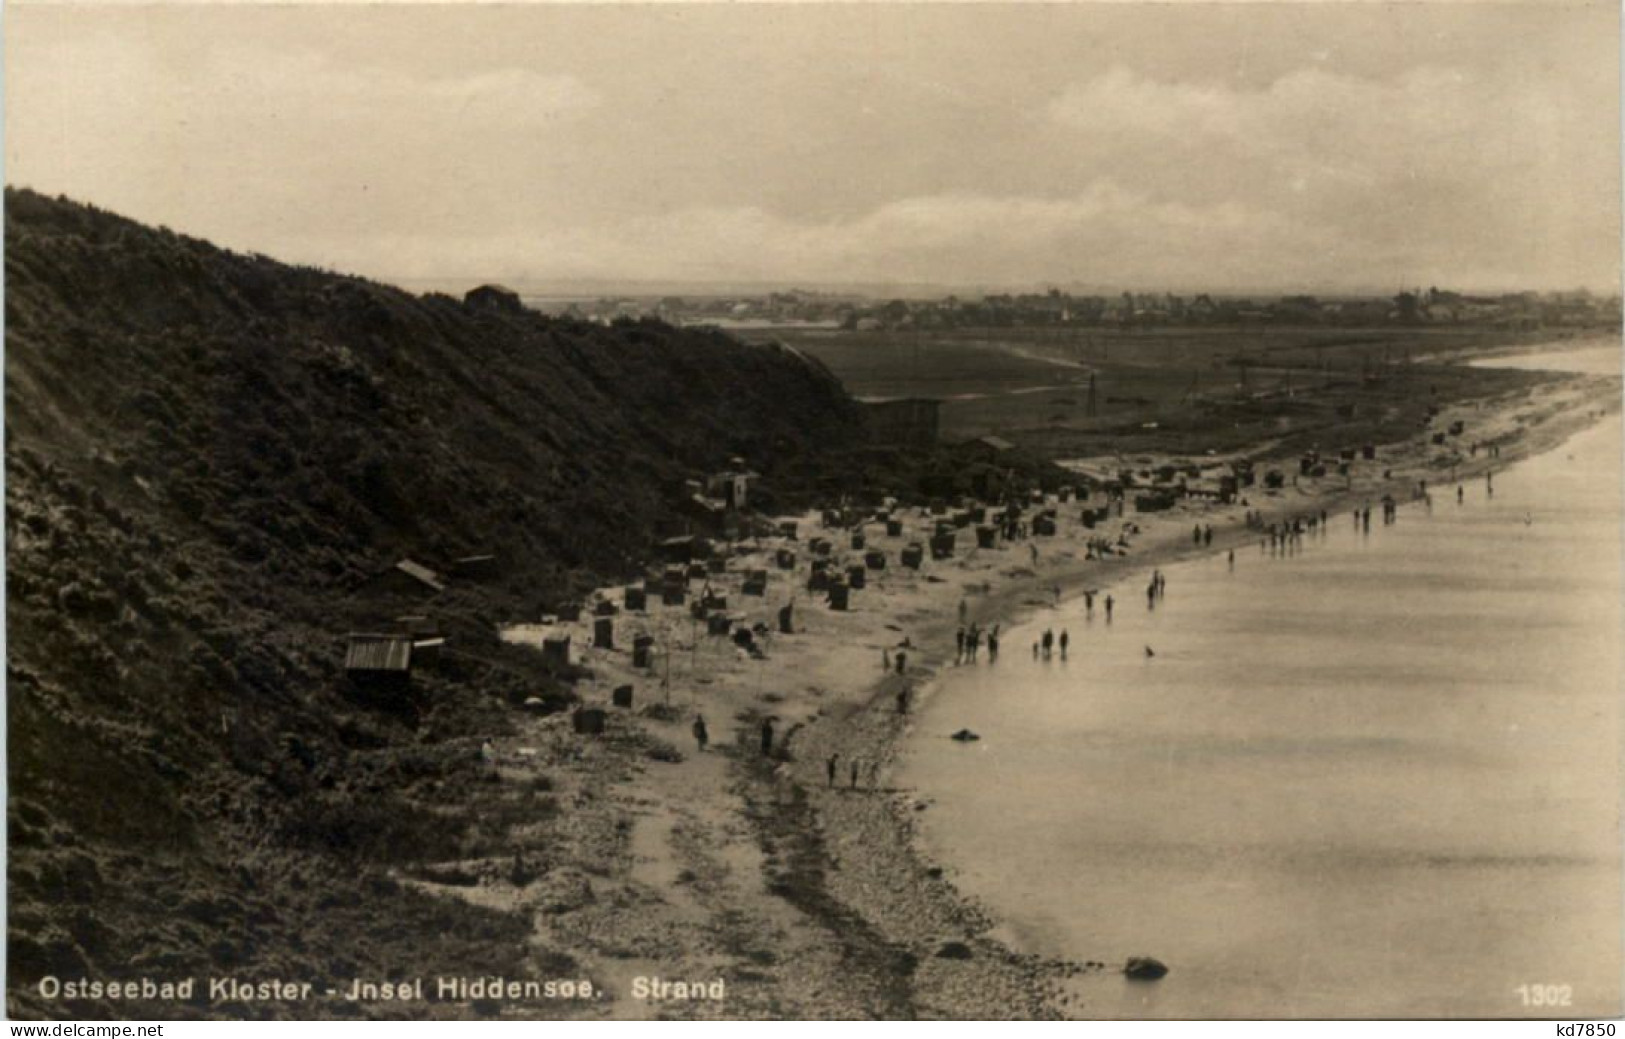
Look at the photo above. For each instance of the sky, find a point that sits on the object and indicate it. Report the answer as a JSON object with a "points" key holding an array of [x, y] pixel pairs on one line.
{"points": [[1224, 147]]}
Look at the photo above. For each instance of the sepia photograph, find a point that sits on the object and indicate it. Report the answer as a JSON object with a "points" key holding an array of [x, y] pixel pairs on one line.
{"points": [[581, 512]]}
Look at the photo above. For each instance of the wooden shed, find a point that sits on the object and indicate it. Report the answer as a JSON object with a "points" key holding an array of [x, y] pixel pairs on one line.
{"points": [[379, 663]]}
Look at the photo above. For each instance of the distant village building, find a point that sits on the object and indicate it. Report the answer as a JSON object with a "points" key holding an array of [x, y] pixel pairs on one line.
{"points": [[493, 297], [907, 421]]}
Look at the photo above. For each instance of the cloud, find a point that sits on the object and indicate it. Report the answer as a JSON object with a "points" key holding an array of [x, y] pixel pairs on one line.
{"points": [[1104, 235], [1435, 171], [308, 83], [234, 129], [539, 160]]}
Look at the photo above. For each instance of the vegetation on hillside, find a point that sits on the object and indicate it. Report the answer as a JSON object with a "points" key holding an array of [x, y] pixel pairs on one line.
{"points": [[212, 459]]}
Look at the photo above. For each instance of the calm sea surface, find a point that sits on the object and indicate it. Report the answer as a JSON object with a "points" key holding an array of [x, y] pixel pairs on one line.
{"points": [[1379, 777]]}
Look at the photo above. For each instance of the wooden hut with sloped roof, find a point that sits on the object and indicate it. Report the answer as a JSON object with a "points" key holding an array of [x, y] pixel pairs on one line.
{"points": [[379, 663]]}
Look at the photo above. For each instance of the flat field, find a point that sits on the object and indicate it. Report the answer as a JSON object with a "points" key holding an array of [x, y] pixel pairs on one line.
{"points": [[1180, 390]]}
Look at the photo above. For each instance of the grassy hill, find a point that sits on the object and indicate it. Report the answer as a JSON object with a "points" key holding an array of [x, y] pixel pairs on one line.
{"points": [[211, 458]]}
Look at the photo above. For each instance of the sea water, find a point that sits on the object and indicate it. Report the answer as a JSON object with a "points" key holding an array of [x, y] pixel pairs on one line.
{"points": [[1376, 777]]}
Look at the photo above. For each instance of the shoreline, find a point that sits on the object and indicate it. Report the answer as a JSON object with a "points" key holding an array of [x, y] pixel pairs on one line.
{"points": [[823, 900], [1015, 603]]}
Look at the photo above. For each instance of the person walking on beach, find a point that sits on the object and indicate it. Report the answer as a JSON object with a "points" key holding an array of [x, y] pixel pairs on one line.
{"points": [[829, 767], [701, 736], [975, 642], [959, 644], [1108, 609], [1151, 595], [854, 773], [767, 737], [902, 700], [993, 644], [1458, 494], [1232, 559], [964, 608], [1196, 535], [1034, 550], [1049, 642], [902, 661], [1489, 482], [1207, 535], [1064, 640], [1089, 603]]}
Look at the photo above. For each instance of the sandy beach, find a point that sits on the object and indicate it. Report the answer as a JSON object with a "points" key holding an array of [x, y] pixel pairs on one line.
{"points": [[812, 899]]}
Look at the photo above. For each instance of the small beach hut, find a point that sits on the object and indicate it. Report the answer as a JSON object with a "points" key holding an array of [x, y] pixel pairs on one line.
{"points": [[379, 663], [643, 651], [838, 595]]}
